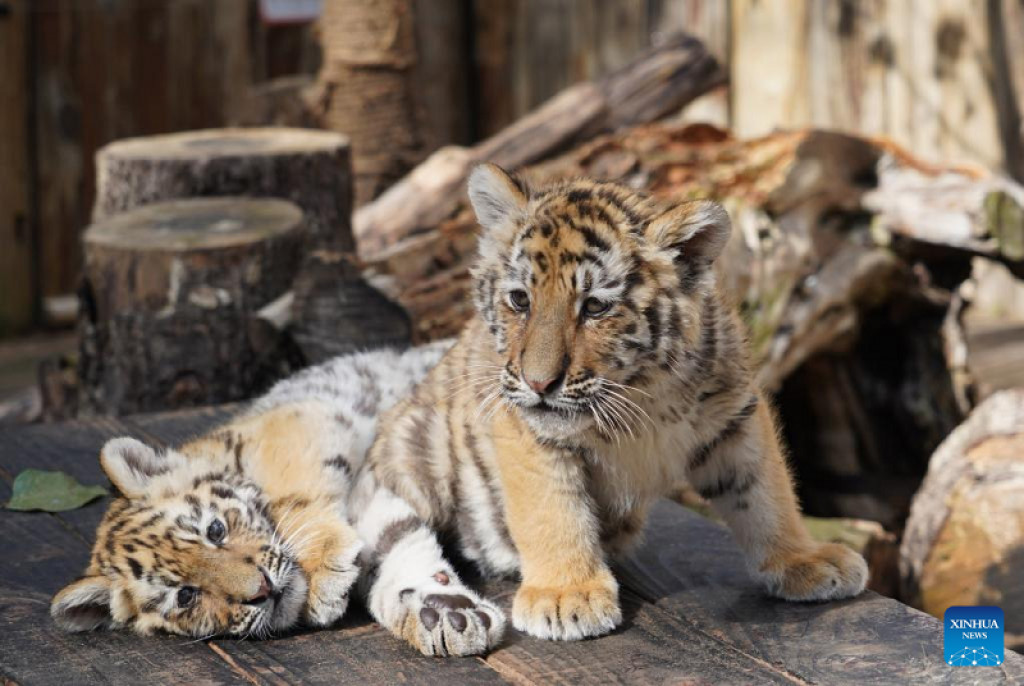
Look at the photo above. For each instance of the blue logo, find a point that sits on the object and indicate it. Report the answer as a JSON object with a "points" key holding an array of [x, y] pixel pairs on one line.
{"points": [[974, 636]]}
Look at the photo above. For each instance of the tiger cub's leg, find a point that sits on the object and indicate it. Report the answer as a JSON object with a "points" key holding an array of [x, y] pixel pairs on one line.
{"points": [[744, 475], [414, 592], [326, 547], [568, 592]]}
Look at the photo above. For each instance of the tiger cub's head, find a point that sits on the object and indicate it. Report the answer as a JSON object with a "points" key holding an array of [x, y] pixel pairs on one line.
{"points": [[185, 550], [591, 291]]}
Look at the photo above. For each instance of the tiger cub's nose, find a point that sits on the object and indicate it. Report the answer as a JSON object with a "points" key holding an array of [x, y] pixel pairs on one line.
{"points": [[266, 588], [543, 385]]}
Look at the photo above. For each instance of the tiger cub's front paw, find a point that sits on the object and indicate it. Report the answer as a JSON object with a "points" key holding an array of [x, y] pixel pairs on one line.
{"points": [[329, 589], [443, 617], [568, 613], [830, 571]]}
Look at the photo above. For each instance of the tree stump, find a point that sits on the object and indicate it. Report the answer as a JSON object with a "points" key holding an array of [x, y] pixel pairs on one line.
{"points": [[310, 168], [168, 296]]}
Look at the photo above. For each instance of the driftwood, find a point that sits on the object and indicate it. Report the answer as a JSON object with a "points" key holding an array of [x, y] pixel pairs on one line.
{"points": [[656, 84], [963, 541], [850, 312], [169, 295], [307, 167]]}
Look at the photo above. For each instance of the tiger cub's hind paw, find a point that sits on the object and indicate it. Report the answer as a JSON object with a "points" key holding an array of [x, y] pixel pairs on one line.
{"points": [[830, 571]]}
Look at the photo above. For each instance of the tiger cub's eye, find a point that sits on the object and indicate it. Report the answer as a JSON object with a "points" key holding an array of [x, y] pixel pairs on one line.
{"points": [[216, 531], [187, 595], [592, 307], [519, 300]]}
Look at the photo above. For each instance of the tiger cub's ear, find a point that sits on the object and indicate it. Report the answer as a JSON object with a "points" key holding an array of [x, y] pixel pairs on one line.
{"points": [[694, 233], [497, 196], [83, 605], [131, 465]]}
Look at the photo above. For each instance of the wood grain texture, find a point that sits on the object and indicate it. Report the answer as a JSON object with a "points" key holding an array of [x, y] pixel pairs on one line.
{"points": [[690, 568], [526, 51], [692, 613], [16, 257], [936, 77]]}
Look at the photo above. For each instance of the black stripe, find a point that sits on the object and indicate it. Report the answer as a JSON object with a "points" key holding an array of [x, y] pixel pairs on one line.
{"points": [[394, 532], [653, 325], [701, 456], [730, 484], [494, 500], [222, 491], [578, 196], [340, 463], [591, 238], [136, 567]]}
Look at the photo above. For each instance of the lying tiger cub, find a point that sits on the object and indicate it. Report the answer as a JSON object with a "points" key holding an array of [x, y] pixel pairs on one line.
{"points": [[246, 531]]}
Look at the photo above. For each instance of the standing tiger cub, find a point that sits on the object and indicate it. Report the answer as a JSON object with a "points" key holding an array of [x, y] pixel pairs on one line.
{"points": [[601, 369]]}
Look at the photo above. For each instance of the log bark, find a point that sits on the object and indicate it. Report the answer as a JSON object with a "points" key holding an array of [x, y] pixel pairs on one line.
{"points": [[657, 83], [169, 292], [309, 168], [328, 320], [395, 79], [964, 540]]}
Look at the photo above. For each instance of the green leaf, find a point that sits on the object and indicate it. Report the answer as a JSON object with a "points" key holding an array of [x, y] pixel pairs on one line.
{"points": [[35, 489]]}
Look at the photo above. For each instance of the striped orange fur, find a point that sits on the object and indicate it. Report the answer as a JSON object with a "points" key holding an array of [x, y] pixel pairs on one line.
{"points": [[602, 368]]}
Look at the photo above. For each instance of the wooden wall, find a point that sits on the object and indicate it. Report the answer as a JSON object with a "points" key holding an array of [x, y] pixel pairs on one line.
{"points": [[17, 267], [104, 70], [942, 77]]}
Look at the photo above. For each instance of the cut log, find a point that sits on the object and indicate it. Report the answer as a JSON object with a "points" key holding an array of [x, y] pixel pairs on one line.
{"points": [[949, 212], [964, 540], [307, 167], [656, 84], [168, 294]]}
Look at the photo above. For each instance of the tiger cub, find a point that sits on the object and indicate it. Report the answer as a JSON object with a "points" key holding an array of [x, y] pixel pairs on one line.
{"points": [[244, 531], [601, 369]]}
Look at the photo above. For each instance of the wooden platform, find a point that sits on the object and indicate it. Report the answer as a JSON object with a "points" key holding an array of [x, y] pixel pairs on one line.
{"points": [[692, 614]]}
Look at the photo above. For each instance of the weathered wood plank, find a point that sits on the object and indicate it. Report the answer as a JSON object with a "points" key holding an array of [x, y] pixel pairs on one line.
{"points": [[175, 428], [692, 612], [692, 569], [652, 646], [73, 447]]}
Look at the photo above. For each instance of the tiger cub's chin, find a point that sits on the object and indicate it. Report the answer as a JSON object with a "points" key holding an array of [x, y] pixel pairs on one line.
{"points": [[554, 424]]}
